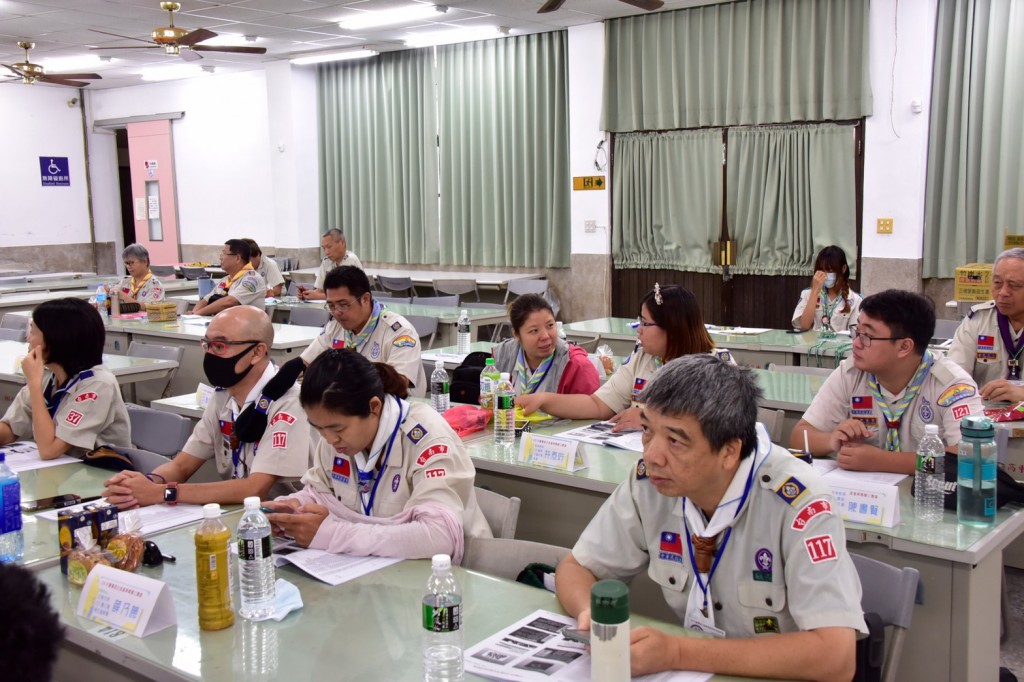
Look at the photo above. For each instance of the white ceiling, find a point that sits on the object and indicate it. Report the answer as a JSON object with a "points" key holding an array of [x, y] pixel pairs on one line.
{"points": [[287, 28]]}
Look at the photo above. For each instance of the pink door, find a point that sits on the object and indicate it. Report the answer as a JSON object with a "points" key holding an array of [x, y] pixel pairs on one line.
{"points": [[151, 155]]}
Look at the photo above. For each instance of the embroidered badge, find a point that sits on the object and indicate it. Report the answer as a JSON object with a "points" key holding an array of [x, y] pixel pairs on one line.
{"points": [[926, 411], [417, 433], [862, 405], [342, 469], [956, 393], [809, 511], [435, 473], [430, 453], [86, 396], [641, 470], [396, 326], [638, 387], [263, 405], [723, 355], [404, 341], [820, 548], [671, 547], [282, 417], [791, 490], [394, 482], [764, 625], [73, 418], [986, 348], [763, 565], [280, 439], [337, 343], [961, 411], [375, 352]]}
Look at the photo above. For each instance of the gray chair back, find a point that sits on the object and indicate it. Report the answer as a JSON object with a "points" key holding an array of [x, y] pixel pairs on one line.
{"points": [[309, 316], [889, 592], [15, 334], [456, 286], [946, 329], [442, 301], [154, 389], [162, 270], [393, 299], [12, 321], [164, 433], [426, 328], [773, 421], [506, 558], [502, 513], [526, 286], [293, 288], [499, 331], [143, 460], [192, 273], [800, 369], [395, 284]]}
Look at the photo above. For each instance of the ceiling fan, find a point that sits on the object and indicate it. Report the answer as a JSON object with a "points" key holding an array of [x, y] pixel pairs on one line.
{"points": [[30, 73], [648, 5], [172, 39]]}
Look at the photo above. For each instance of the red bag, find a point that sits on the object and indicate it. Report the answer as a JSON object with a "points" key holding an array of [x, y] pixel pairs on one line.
{"points": [[466, 419]]}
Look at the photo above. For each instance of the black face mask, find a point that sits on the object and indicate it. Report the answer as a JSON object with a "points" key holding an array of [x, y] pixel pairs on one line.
{"points": [[221, 371]]}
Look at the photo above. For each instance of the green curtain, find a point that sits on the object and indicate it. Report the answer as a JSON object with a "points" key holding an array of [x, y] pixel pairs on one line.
{"points": [[973, 193], [791, 191], [737, 63], [504, 152], [666, 199], [378, 155]]}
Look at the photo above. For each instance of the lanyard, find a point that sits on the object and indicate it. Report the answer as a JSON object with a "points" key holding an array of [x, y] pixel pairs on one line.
{"points": [[826, 318], [136, 289], [1013, 350], [893, 416], [53, 400], [365, 477], [538, 375], [353, 341]]}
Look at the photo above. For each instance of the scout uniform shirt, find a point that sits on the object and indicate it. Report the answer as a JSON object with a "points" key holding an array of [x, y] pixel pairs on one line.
{"points": [[270, 272], [783, 568], [422, 461], [947, 395], [149, 290], [326, 265], [284, 450], [978, 345], [247, 287], [838, 320], [623, 388], [393, 341], [87, 412]]}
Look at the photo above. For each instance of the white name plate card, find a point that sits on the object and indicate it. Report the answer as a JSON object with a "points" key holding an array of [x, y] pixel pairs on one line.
{"points": [[871, 503], [127, 601], [548, 451]]}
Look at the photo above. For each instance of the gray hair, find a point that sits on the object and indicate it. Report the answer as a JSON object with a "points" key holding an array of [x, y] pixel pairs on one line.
{"points": [[1016, 252], [334, 233], [136, 251], [722, 397]]}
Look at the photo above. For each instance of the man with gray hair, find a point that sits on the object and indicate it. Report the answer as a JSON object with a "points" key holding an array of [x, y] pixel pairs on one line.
{"points": [[989, 343], [337, 254], [740, 535]]}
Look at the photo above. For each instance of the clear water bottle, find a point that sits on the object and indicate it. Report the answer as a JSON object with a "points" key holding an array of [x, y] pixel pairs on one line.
{"points": [[256, 575], [101, 303], [462, 339], [976, 472], [12, 542], [504, 411], [561, 331], [442, 624], [489, 376], [930, 478], [440, 389]]}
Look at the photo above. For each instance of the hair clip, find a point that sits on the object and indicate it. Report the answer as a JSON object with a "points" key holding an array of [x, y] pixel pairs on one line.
{"points": [[657, 294]]}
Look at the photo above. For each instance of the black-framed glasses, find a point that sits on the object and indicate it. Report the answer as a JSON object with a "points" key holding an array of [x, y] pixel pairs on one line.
{"points": [[340, 306], [219, 347], [866, 339], [641, 323]]}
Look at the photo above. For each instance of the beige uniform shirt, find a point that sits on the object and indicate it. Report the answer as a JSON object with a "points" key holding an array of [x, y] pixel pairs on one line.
{"points": [[91, 413], [151, 291], [326, 265], [840, 321], [270, 272], [283, 451], [393, 341], [427, 464], [978, 347], [624, 387], [947, 395], [785, 567], [248, 289]]}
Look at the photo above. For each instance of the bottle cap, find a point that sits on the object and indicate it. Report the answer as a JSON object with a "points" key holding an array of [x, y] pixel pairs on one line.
{"points": [[931, 429], [977, 427], [609, 602], [505, 376], [439, 364], [440, 562], [211, 511], [251, 502], [488, 362]]}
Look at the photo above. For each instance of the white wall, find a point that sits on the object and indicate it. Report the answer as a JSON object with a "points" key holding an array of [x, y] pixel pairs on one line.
{"points": [[36, 121]]}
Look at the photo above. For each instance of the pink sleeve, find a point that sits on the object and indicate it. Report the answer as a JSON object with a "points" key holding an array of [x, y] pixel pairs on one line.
{"points": [[579, 375]]}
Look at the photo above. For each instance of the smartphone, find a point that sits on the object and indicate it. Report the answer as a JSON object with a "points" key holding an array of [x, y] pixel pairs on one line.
{"points": [[575, 635], [57, 501], [268, 510]]}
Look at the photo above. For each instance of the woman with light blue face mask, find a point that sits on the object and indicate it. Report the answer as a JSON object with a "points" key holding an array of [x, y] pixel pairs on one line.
{"points": [[834, 306]]}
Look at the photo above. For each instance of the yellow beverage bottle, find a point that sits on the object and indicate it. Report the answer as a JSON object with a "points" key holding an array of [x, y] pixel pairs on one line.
{"points": [[212, 571]]}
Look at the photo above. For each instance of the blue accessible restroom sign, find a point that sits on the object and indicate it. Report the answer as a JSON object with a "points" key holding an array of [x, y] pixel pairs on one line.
{"points": [[54, 171]]}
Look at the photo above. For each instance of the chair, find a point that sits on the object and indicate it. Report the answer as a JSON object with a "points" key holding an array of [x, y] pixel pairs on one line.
{"points": [[310, 316], [154, 389], [773, 421], [426, 327], [162, 270], [392, 299], [889, 592], [587, 342], [497, 328], [12, 321], [502, 513], [12, 335], [456, 286], [506, 558], [799, 369], [945, 329], [293, 288], [164, 433], [442, 301], [143, 460], [526, 286], [192, 273], [396, 284]]}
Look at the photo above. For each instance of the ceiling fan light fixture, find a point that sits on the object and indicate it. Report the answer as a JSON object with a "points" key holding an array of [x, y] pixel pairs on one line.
{"points": [[388, 17], [334, 56], [461, 35]]}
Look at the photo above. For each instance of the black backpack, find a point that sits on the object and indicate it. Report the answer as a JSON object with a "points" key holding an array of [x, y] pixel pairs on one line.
{"points": [[465, 385]]}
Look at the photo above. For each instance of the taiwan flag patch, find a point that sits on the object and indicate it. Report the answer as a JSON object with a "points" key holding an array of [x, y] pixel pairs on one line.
{"points": [[986, 343], [862, 405], [337, 343], [342, 469], [671, 547]]}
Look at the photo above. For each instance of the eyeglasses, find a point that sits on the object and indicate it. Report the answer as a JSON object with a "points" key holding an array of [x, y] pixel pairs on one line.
{"points": [[866, 339], [218, 347], [340, 306], [227, 255], [639, 322]]}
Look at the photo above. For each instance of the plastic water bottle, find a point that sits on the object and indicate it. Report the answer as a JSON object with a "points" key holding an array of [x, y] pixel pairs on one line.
{"points": [[489, 376], [504, 412], [930, 478], [440, 389], [212, 571], [561, 330], [462, 339], [255, 564], [442, 624], [12, 542], [976, 472], [101, 303], [609, 631]]}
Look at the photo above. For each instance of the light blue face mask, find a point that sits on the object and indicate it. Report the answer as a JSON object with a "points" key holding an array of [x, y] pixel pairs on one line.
{"points": [[830, 280]]}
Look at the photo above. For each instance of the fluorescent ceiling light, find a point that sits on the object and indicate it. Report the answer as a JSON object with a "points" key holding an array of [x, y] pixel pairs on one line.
{"points": [[166, 73], [334, 56], [398, 15], [462, 35], [85, 61], [231, 39]]}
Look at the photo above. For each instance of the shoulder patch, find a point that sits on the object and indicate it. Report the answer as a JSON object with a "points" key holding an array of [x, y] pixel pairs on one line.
{"points": [[395, 326], [73, 418], [417, 433], [641, 470], [280, 439], [956, 393], [282, 417], [89, 395], [435, 473], [723, 355], [404, 341], [809, 511], [430, 453], [791, 490]]}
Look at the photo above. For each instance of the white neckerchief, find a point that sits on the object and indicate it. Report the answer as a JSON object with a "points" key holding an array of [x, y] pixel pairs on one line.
{"points": [[726, 514], [388, 419]]}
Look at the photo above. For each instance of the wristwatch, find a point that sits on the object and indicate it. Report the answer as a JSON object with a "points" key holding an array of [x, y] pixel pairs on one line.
{"points": [[171, 493]]}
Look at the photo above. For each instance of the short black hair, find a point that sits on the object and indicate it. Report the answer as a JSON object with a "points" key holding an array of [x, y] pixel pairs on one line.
{"points": [[350, 277], [32, 632], [341, 380], [254, 248], [908, 315], [524, 306], [73, 332], [238, 247]]}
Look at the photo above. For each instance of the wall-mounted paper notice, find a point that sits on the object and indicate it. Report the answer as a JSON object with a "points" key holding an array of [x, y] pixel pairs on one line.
{"points": [[140, 208]]}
